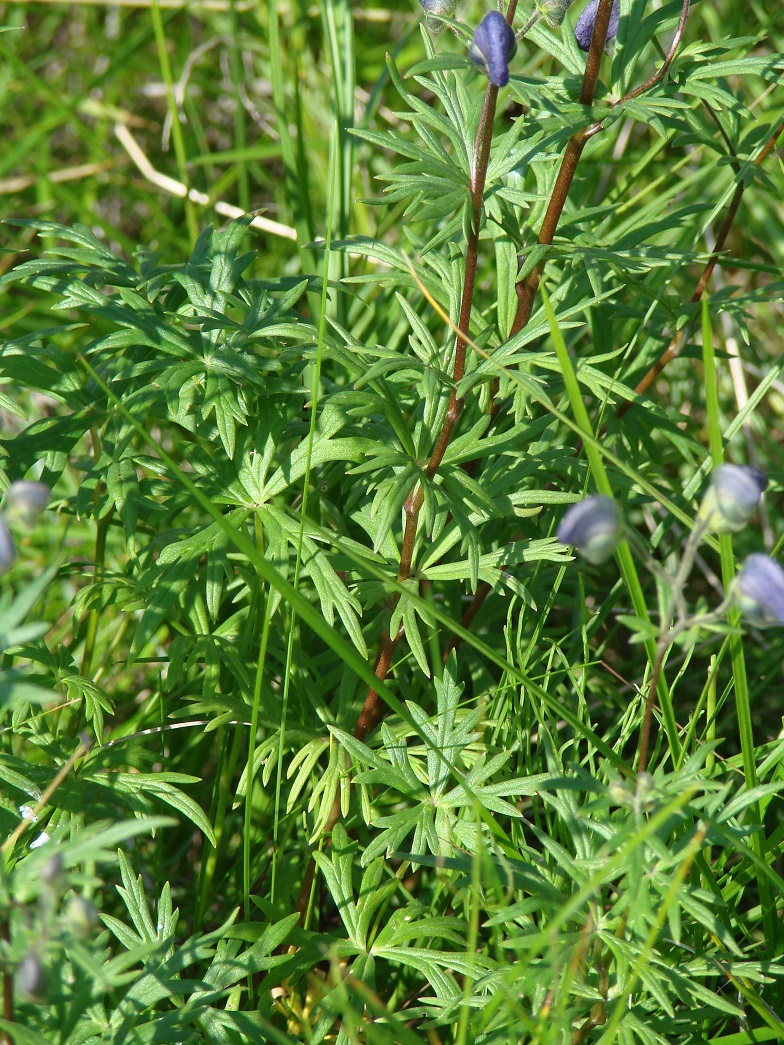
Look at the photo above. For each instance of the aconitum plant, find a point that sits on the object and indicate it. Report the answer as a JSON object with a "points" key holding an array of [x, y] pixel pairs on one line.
{"points": [[398, 754], [594, 527]]}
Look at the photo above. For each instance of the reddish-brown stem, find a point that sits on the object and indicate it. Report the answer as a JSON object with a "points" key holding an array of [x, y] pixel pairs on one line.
{"points": [[595, 51], [373, 707], [526, 289], [416, 497], [662, 70], [721, 240]]}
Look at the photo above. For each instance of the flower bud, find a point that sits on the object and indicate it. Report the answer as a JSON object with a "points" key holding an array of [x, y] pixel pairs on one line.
{"points": [[759, 590], [81, 916], [493, 47], [435, 10], [553, 11], [619, 793], [594, 526], [51, 873], [643, 797], [583, 31], [732, 496], [7, 549], [31, 978], [26, 500]]}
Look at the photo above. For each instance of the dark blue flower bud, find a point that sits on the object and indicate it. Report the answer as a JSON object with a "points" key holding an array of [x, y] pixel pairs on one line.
{"points": [[435, 10], [583, 31], [493, 47], [759, 590], [594, 526], [553, 11], [732, 496]]}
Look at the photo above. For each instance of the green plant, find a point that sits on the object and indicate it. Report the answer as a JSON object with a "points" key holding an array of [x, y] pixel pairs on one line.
{"points": [[308, 594]]}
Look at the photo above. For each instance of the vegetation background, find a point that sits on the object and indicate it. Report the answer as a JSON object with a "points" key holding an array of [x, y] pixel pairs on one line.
{"points": [[213, 830]]}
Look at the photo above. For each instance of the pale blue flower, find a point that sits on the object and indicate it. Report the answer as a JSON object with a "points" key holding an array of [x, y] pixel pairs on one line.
{"points": [[759, 590], [594, 527], [31, 978], [7, 549], [733, 494], [25, 500]]}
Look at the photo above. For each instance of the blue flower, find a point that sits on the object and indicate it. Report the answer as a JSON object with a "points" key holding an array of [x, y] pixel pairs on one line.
{"points": [[759, 590], [435, 10], [594, 526], [583, 31], [493, 47], [733, 494]]}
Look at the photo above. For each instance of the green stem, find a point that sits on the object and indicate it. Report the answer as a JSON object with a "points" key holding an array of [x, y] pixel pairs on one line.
{"points": [[625, 560], [176, 130], [101, 531], [372, 707]]}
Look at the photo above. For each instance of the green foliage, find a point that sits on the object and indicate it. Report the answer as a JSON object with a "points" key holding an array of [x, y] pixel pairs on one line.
{"points": [[313, 657]]}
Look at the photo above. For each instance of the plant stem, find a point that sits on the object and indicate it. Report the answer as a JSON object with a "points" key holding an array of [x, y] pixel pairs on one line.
{"points": [[670, 632], [526, 289], [373, 707], [101, 531], [662, 646], [415, 499], [721, 239]]}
